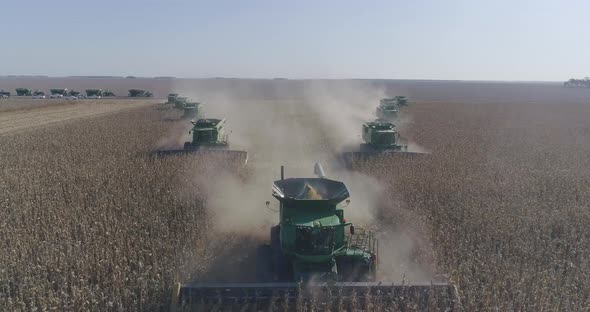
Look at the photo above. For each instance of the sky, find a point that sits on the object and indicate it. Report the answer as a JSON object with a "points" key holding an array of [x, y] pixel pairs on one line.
{"points": [[467, 40]]}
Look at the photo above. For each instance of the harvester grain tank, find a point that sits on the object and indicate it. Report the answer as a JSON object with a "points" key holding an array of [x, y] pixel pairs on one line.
{"points": [[24, 92], [316, 255], [208, 137], [139, 93], [388, 109]]}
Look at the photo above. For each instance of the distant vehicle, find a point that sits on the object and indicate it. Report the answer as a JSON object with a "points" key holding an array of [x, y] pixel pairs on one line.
{"points": [[24, 92], [58, 93], [106, 93], [38, 94], [4, 94], [93, 92], [139, 93]]}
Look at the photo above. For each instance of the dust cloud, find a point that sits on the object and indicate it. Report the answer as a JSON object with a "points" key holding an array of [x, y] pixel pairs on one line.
{"points": [[296, 128]]}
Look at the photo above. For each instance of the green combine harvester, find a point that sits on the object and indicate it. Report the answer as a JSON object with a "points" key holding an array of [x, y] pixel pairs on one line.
{"points": [[172, 98], [58, 92], [401, 100], [24, 92], [108, 93], [379, 139], [208, 138], [94, 92], [180, 101], [388, 109], [315, 256], [191, 110], [139, 93]]}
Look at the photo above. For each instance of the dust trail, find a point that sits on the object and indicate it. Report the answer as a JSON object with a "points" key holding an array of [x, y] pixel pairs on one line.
{"points": [[281, 128]]}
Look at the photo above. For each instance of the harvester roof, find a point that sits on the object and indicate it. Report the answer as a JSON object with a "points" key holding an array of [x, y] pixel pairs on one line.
{"points": [[380, 125], [310, 189], [207, 123]]}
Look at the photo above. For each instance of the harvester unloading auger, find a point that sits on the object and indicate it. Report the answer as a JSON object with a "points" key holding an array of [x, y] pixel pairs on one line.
{"points": [[380, 139], [315, 257], [208, 138]]}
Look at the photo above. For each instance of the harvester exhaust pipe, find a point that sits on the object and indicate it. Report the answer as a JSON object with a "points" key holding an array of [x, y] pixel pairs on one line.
{"points": [[282, 172], [319, 170]]}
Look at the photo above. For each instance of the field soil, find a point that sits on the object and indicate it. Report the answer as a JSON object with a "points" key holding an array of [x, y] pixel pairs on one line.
{"points": [[19, 115], [91, 221]]}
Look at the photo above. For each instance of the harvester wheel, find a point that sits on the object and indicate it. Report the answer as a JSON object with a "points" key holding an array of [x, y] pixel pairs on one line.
{"points": [[263, 264], [281, 264], [187, 145]]}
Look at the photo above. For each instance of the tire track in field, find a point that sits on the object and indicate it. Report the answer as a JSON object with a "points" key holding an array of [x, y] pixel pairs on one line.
{"points": [[16, 121]]}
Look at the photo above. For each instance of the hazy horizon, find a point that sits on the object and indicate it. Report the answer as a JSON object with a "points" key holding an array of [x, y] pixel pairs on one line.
{"points": [[540, 41]]}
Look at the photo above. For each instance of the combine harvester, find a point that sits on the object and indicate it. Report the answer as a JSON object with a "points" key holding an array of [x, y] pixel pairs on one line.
{"points": [[191, 110], [24, 92], [172, 98], [379, 139], [208, 138], [388, 109], [315, 257], [401, 100], [139, 93]]}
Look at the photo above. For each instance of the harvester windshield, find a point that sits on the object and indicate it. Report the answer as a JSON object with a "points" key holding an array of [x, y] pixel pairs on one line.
{"points": [[205, 135], [315, 240]]}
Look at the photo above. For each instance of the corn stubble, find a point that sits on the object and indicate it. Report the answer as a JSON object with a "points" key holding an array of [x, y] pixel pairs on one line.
{"points": [[89, 222]]}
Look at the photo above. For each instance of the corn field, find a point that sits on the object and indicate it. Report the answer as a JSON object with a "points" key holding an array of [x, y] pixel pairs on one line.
{"points": [[89, 221]]}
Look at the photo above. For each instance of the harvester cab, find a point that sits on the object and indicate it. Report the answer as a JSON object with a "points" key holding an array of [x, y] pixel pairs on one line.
{"points": [[401, 100], [179, 102], [207, 132], [315, 257], [388, 109], [208, 137], [172, 98]]}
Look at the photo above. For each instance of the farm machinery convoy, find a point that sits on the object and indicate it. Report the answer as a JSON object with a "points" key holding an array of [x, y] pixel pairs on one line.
{"points": [[315, 254]]}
